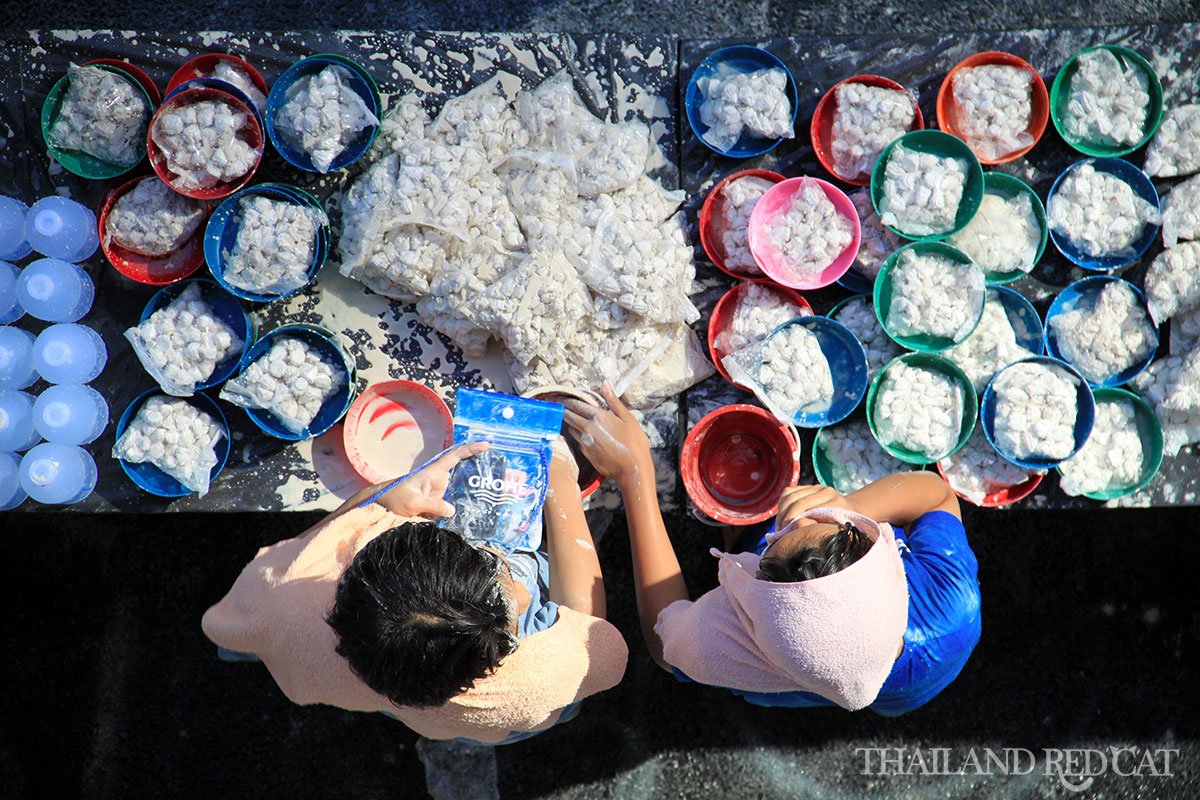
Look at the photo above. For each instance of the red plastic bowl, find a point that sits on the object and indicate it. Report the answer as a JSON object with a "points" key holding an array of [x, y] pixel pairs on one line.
{"points": [[253, 134], [589, 477], [947, 106], [150, 270], [385, 409], [722, 317], [135, 72], [712, 217], [771, 261], [736, 462], [203, 66], [821, 130], [1001, 497]]}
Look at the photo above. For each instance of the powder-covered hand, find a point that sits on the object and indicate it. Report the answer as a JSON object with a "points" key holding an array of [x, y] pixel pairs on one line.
{"points": [[610, 438], [421, 494]]}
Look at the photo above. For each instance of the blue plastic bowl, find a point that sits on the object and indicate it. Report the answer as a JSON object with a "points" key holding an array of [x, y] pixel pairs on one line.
{"points": [[325, 343], [1023, 317], [1142, 186], [1085, 291], [856, 282], [1085, 416], [150, 478], [847, 365], [220, 85], [225, 308], [743, 58], [363, 85], [220, 236]]}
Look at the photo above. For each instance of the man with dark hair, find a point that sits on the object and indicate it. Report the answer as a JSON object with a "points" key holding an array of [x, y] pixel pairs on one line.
{"points": [[421, 615], [376, 608], [832, 606]]}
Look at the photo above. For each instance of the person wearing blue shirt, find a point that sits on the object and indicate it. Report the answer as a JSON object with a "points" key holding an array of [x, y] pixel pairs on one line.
{"points": [[943, 615]]}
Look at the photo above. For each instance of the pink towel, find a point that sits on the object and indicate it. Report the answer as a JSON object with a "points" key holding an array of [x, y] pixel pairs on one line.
{"points": [[836, 636]]}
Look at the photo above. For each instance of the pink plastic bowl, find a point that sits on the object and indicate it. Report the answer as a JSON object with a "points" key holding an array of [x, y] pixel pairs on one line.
{"points": [[712, 218], [775, 202]]}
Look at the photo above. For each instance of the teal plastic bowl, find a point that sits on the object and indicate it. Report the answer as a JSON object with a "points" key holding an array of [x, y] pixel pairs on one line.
{"points": [[970, 409], [80, 163], [1060, 92], [1008, 187], [1149, 431], [922, 343], [940, 144]]}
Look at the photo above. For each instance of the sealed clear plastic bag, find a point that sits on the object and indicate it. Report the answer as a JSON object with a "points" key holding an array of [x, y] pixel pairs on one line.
{"points": [[291, 380], [204, 143], [787, 371], [182, 344], [152, 220], [103, 114], [498, 494], [275, 245], [482, 118], [536, 307], [322, 114], [174, 436]]}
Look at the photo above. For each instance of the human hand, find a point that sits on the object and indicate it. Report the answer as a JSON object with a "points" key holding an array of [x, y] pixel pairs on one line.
{"points": [[421, 494], [610, 438], [797, 500]]}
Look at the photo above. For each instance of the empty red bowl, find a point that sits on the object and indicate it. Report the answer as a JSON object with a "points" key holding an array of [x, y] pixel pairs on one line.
{"points": [[948, 109], [722, 318], [821, 130], [253, 134], [394, 427], [150, 270], [712, 218], [736, 462]]}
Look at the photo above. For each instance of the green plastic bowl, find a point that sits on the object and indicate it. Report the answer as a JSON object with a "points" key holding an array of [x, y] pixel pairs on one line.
{"points": [[822, 463], [822, 466], [1008, 187], [970, 411], [82, 164], [922, 343], [1149, 431], [1060, 92], [939, 144]]}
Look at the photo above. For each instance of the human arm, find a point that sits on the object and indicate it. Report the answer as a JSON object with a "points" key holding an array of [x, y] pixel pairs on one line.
{"points": [[897, 499], [614, 442], [419, 494], [575, 577]]}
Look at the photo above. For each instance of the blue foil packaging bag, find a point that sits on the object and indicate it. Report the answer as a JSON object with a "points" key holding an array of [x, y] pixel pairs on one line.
{"points": [[498, 494]]}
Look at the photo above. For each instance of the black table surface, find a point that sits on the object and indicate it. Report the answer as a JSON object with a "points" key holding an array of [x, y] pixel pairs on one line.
{"points": [[624, 77]]}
